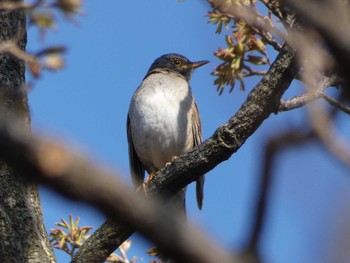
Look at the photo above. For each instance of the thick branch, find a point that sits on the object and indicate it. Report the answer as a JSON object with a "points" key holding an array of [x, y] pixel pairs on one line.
{"points": [[261, 102], [76, 177]]}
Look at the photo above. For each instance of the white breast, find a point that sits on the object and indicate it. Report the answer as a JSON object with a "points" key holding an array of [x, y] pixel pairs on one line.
{"points": [[160, 113]]}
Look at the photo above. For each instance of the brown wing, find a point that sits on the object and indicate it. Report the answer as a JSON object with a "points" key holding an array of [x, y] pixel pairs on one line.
{"points": [[197, 139], [136, 168]]}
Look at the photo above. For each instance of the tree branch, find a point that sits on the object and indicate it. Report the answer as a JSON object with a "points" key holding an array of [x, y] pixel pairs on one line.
{"points": [[308, 97], [74, 176], [251, 17], [320, 16], [23, 237], [273, 147], [227, 139], [287, 18], [323, 125]]}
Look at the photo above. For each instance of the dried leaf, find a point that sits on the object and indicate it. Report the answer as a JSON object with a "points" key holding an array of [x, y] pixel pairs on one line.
{"points": [[51, 50], [54, 62]]}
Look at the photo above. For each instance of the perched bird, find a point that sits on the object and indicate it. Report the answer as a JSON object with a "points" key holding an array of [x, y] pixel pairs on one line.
{"points": [[163, 121]]}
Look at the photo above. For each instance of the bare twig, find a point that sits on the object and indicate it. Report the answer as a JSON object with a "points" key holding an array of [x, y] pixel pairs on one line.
{"points": [[336, 103], [275, 7], [250, 16], [310, 96], [252, 72], [10, 6], [11, 46], [299, 101], [267, 37], [315, 62], [324, 127]]}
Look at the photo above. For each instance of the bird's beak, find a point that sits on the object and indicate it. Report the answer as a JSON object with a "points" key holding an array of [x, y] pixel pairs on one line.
{"points": [[198, 64]]}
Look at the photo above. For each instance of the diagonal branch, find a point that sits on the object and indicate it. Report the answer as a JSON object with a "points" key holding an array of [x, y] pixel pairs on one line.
{"points": [[227, 139], [73, 175]]}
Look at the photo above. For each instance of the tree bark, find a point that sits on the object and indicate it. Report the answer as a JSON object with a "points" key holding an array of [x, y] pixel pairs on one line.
{"points": [[22, 233]]}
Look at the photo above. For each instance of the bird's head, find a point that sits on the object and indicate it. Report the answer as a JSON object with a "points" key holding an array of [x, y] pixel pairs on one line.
{"points": [[177, 63]]}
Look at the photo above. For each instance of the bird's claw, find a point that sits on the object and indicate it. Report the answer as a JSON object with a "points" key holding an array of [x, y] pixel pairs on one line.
{"points": [[148, 179], [142, 187], [172, 159]]}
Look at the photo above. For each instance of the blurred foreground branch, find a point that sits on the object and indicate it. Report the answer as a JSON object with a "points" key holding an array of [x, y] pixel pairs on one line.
{"points": [[323, 123], [73, 175], [272, 150], [316, 62], [319, 15]]}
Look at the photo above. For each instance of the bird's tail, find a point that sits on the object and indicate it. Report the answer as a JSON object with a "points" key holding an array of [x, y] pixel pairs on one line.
{"points": [[178, 202]]}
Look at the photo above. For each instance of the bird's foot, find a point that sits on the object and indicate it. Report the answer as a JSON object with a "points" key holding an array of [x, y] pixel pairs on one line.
{"points": [[142, 187], [148, 179], [172, 159]]}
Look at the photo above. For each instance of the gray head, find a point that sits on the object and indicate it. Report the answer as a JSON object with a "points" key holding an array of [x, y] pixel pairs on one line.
{"points": [[176, 63]]}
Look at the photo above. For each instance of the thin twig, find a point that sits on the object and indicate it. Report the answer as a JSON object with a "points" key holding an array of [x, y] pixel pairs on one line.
{"points": [[323, 124], [10, 6], [308, 97], [11, 46], [315, 61], [252, 18], [336, 103], [275, 7]]}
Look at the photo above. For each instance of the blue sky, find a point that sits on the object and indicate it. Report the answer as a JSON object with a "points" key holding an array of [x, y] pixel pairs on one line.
{"points": [[85, 105]]}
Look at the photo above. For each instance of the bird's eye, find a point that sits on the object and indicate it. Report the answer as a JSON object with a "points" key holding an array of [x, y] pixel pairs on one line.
{"points": [[176, 62]]}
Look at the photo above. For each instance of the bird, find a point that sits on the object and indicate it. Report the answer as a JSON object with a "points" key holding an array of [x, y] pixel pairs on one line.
{"points": [[163, 121]]}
